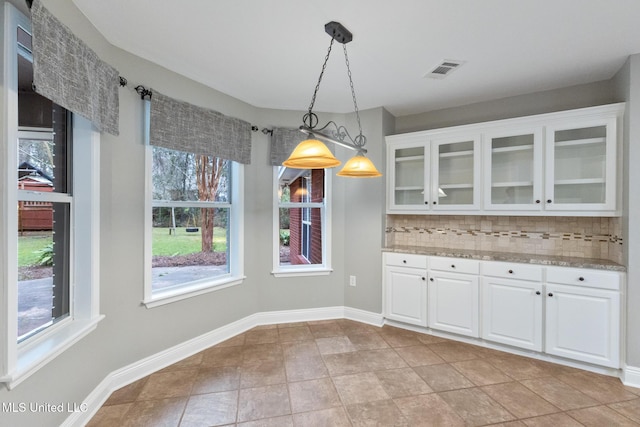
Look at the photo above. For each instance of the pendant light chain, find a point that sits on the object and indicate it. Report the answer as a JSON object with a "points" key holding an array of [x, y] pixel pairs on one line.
{"points": [[312, 153], [360, 139], [311, 114]]}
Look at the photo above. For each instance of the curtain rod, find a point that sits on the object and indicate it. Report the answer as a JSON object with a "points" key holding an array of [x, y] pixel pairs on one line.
{"points": [[144, 92]]}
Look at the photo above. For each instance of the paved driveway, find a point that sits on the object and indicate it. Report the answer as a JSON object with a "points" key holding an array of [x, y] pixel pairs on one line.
{"points": [[35, 297]]}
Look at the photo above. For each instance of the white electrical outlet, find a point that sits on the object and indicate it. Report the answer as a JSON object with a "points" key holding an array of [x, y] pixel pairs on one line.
{"points": [[352, 280]]}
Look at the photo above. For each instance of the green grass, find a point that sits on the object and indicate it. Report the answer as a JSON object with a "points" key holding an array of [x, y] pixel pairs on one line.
{"points": [[183, 243], [28, 247]]}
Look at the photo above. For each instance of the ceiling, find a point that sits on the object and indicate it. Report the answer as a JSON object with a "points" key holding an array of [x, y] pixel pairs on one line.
{"points": [[269, 53]]}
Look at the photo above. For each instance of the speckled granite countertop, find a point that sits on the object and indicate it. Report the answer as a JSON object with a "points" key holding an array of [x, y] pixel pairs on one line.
{"points": [[601, 264]]}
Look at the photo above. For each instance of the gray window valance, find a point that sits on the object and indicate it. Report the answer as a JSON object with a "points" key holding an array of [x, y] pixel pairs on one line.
{"points": [[69, 73], [178, 125], [283, 141]]}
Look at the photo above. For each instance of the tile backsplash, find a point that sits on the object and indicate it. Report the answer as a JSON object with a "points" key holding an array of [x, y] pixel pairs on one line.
{"points": [[584, 237]]}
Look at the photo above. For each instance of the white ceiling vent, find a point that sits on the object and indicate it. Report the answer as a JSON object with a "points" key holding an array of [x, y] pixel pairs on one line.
{"points": [[444, 68]]}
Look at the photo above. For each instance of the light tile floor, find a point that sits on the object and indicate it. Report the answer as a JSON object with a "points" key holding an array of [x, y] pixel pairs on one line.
{"points": [[344, 373]]}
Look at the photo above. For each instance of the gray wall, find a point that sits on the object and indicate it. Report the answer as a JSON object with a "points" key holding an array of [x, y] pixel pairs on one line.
{"points": [[579, 96], [364, 219], [627, 87], [131, 332]]}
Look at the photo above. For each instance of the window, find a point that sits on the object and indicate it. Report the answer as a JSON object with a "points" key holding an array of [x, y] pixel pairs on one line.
{"points": [[49, 226], [194, 225], [45, 201], [301, 227]]}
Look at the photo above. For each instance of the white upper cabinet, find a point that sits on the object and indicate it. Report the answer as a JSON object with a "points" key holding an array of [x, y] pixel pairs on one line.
{"points": [[455, 173], [564, 163], [407, 174], [434, 174], [513, 169], [581, 165]]}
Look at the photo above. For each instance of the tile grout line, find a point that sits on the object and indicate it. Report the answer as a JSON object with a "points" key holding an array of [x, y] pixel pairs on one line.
{"points": [[395, 341]]}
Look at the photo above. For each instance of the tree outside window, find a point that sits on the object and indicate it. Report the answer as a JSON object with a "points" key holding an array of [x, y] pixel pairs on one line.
{"points": [[191, 219]]}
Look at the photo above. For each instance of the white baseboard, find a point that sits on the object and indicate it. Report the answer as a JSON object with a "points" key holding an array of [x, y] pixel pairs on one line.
{"points": [[303, 315], [631, 376], [140, 369], [375, 319]]}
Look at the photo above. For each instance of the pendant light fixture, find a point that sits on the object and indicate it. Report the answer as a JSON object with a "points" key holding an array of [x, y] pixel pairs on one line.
{"points": [[313, 153]]}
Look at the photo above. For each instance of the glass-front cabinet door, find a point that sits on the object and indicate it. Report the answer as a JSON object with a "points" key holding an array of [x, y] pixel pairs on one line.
{"points": [[513, 170], [581, 166], [407, 161], [455, 173]]}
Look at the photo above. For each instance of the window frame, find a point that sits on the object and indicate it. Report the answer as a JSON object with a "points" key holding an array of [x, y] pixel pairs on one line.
{"points": [[18, 361], [55, 197], [325, 211], [236, 234]]}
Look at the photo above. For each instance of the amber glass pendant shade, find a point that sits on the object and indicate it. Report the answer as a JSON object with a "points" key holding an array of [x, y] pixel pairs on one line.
{"points": [[359, 167], [311, 154]]}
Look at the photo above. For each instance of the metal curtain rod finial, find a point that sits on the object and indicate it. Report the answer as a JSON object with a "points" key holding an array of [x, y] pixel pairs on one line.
{"points": [[143, 91], [265, 131]]}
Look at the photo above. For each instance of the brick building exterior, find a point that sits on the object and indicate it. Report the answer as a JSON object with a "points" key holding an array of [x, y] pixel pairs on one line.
{"points": [[306, 249]]}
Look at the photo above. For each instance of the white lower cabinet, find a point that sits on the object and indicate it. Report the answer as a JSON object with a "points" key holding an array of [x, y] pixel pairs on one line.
{"points": [[405, 298], [568, 312], [512, 312], [512, 304], [583, 323], [453, 297]]}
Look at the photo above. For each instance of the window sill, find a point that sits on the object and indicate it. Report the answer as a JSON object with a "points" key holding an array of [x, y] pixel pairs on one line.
{"points": [[300, 271], [189, 291], [34, 355]]}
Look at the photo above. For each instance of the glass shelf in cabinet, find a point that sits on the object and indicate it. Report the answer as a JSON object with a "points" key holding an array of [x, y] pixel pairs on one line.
{"points": [[511, 149], [579, 142]]}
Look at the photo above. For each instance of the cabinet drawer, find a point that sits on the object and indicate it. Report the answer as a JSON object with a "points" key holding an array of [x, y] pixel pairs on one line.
{"points": [[583, 277], [405, 260], [455, 265], [512, 270]]}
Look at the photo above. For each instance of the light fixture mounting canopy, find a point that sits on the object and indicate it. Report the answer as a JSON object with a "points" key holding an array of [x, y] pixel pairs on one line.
{"points": [[338, 32]]}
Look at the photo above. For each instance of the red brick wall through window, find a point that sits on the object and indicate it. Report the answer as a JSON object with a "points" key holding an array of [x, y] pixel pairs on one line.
{"points": [[297, 189]]}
